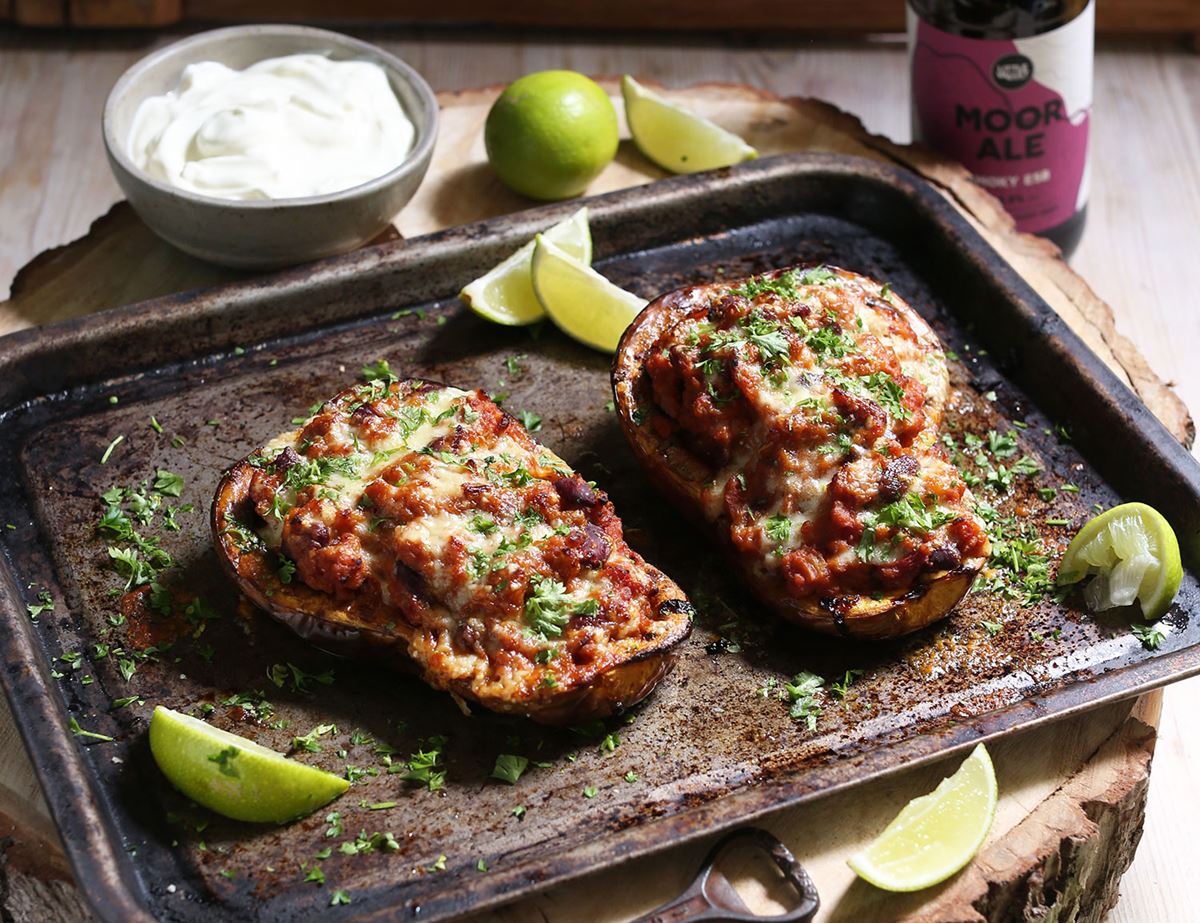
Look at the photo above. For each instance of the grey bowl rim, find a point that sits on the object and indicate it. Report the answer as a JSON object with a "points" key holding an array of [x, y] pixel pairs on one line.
{"points": [[426, 130]]}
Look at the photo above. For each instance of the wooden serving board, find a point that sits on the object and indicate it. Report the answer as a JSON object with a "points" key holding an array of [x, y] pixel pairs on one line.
{"points": [[1072, 794]]}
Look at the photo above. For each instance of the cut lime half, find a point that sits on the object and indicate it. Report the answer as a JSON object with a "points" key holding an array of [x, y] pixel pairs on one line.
{"points": [[676, 139], [580, 301], [505, 294], [234, 776], [1131, 553], [935, 835]]}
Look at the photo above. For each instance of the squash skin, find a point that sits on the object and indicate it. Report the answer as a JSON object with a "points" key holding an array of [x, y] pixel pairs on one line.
{"points": [[679, 474], [351, 628]]}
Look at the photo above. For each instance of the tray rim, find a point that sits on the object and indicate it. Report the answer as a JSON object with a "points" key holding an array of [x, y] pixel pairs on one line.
{"points": [[73, 794]]}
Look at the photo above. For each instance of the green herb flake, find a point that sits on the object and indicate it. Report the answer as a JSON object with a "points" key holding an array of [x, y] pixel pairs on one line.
{"points": [[45, 603], [168, 483], [379, 370], [92, 735], [108, 452], [801, 694], [590, 791], [1151, 636], [509, 768], [224, 760], [339, 897]]}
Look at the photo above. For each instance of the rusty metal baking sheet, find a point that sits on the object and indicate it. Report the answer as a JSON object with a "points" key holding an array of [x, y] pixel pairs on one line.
{"points": [[191, 383]]}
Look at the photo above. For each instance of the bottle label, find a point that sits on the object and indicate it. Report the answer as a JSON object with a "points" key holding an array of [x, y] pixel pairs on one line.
{"points": [[1014, 112]]}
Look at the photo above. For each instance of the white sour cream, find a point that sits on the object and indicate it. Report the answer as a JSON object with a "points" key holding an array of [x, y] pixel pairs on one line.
{"points": [[299, 125]]}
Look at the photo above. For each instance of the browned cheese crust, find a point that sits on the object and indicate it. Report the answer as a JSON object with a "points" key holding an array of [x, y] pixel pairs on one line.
{"points": [[419, 523], [795, 417]]}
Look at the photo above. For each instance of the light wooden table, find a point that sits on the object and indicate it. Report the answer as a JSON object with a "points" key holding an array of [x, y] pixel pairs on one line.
{"points": [[1140, 251]]}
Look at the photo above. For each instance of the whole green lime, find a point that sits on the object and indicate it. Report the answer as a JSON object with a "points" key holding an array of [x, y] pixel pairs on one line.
{"points": [[550, 134]]}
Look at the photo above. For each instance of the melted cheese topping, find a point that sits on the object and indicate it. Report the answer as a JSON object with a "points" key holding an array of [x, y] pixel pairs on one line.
{"points": [[511, 569], [816, 396]]}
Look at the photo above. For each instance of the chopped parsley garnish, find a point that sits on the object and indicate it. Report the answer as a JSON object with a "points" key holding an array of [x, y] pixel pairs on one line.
{"points": [[531, 421], [762, 332], [168, 483], [610, 743], [482, 524], [1019, 564], [224, 760], [509, 767], [590, 791], [912, 513], [286, 570], [339, 897], [308, 742], [992, 628], [801, 695], [888, 394], [630, 776], [300, 680], [786, 284], [778, 529], [1151, 636], [548, 609], [840, 687], [379, 370], [829, 342], [518, 812], [481, 865], [425, 766], [80, 732], [45, 603], [439, 864], [513, 364]]}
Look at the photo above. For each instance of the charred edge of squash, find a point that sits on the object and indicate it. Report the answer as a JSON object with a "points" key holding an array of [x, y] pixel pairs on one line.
{"points": [[611, 692], [660, 462]]}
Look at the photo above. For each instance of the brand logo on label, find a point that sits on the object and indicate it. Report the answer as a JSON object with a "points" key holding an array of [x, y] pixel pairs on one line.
{"points": [[1012, 71]]}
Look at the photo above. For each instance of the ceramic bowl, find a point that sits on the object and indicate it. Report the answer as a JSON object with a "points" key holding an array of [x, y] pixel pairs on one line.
{"points": [[267, 233]]}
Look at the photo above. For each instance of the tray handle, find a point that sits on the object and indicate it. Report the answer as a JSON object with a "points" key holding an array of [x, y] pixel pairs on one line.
{"points": [[712, 899]]}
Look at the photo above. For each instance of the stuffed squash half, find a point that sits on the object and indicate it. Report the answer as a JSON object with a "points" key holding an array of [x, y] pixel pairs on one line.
{"points": [[795, 415], [421, 523]]}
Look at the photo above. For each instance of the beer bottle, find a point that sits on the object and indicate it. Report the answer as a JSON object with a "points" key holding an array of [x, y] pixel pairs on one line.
{"points": [[1005, 88]]}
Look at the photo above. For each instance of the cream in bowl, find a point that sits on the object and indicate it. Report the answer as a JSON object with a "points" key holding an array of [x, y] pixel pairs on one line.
{"points": [[299, 125], [269, 145]]}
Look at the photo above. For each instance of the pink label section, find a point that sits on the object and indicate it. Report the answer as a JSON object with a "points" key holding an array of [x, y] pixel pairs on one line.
{"points": [[1019, 143]]}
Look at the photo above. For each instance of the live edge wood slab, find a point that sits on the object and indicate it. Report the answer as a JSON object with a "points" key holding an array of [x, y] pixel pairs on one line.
{"points": [[1073, 794]]}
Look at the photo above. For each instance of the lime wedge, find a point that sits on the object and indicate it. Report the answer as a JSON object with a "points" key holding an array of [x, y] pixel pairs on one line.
{"points": [[583, 303], [235, 776], [935, 835], [1133, 553], [676, 139], [505, 294]]}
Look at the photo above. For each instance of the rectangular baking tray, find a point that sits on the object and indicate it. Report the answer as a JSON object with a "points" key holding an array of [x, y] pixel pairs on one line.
{"points": [[223, 370]]}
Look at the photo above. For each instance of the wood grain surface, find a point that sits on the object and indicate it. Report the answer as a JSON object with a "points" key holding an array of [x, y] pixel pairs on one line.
{"points": [[53, 181], [1113, 17]]}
